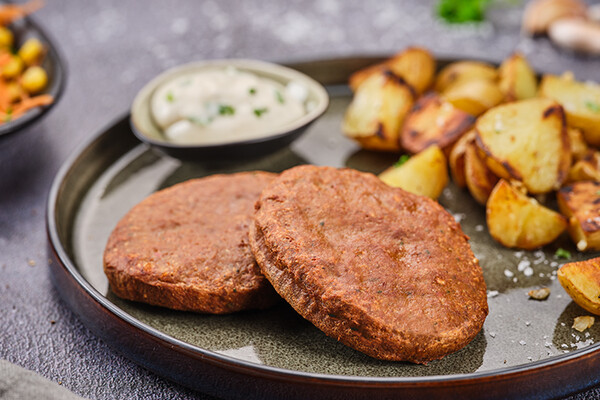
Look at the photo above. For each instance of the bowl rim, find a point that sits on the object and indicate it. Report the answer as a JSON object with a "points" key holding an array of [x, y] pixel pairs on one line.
{"points": [[259, 67]]}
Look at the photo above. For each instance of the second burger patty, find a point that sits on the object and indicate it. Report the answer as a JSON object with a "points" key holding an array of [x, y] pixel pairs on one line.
{"points": [[386, 272]]}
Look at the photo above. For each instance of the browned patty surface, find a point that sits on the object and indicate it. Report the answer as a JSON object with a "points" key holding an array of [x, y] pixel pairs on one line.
{"points": [[186, 247], [384, 271]]}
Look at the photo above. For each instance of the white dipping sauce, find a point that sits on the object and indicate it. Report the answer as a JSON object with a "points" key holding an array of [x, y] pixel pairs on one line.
{"points": [[221, 105]]}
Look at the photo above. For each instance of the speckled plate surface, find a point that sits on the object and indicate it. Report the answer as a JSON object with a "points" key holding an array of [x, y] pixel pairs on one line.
{"points": [[527, 348]]}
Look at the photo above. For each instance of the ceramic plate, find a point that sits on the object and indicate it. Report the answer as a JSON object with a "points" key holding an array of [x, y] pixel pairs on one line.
{"points": [[527, 348], [54, 66]]}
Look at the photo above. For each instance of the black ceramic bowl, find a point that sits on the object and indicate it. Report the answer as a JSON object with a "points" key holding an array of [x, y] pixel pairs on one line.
{"points": [[145, 128]]}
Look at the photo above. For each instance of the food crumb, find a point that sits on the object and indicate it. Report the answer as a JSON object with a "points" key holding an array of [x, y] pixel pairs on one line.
{"points": [[539, 294], [52, 321], [508, 273], [493, 334], [582, 323], [527, 323], [522, 342], [31, 262], [493, 293], [523, 264]]}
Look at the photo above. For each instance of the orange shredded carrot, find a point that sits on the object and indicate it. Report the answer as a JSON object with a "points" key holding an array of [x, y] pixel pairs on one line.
{"points": [[12, 113], [14, 106], [31, 102], [13, 12]]}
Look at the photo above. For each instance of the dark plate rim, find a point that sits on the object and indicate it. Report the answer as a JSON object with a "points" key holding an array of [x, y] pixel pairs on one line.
{"points": [[58, 80], [535, 369]]}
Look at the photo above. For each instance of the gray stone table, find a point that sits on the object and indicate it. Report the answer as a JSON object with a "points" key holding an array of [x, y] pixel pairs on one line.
{"points": [[112, 48]]}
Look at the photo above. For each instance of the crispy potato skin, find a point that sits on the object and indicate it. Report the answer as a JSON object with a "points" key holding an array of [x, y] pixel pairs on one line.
{"points": [[581, 102], [425, 173], [433, 121], [515, 220], [474, 96], [377, 111], [464, 70], [581, 280], [580, 203], [527, 141], [587, 168], [456, 159], [479, 179], [415, 65], [579, 147], [517, 80]]}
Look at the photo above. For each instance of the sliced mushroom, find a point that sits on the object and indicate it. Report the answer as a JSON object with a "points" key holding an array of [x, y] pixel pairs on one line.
{"points": [[540, 14], [576, 34]]}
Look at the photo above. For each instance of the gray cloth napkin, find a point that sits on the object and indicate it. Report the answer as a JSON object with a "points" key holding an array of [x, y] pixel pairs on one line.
{"points": [[17, 383]]}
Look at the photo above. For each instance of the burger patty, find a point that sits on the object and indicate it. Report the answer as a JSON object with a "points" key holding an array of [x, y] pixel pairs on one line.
{"points": [[186, 247], [384, 271]]}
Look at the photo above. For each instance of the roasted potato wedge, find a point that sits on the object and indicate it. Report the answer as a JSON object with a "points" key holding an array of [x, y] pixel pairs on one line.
{"points": [[415, 65], [579, 147], [526, 140], [581, 102], [580, 203], [456, 159], [464, 70], [517, 79], [516, 220], [480, 180], [586, 169], [433, 121], [375, 115], [425, 173], [474, 96], [581, 280]]}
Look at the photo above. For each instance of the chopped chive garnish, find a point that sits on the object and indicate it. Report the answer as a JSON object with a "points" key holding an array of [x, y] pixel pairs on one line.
{"points": [[170, 97], [260, 111], [252, 91], [592, 106], [279, 96], [226, 110], [461, 11], [403, 158], [562, 253]]}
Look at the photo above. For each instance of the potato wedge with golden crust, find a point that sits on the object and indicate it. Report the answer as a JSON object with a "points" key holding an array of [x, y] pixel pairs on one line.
{"points": [[375, 115], [425, 173], [580, 203], [516, 220], [456, 159], [579, 147], [581, 280], [480, 180], [433, 121], [527, 141], [580, 100], [517, 79], [464, 70], [415, 65], [474, 96], [586, 169]]}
